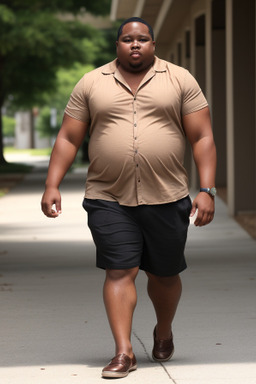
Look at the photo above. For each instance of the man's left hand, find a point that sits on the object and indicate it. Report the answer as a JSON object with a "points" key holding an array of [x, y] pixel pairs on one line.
{"points": [[205, 206]]}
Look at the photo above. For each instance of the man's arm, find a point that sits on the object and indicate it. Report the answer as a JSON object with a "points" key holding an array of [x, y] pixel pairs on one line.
{"points": [[198, 129], [69, 139]]}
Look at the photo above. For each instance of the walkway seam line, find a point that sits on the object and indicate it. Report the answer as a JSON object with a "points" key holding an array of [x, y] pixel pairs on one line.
{"points": [[148, 356]]}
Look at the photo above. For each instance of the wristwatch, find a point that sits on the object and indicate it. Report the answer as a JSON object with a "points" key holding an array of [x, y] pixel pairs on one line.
{"points": [[211, 191]]}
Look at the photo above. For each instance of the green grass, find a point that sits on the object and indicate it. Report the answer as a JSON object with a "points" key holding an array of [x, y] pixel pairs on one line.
{"points": [[19, 167], [31, 152], [23, 168]]}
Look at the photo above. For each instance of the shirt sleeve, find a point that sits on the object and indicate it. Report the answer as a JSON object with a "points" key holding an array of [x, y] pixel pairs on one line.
{"points": [[77, 106], [193, 97]]}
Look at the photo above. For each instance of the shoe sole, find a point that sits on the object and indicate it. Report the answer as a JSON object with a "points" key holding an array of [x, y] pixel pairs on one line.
{"points": [[118, 374], [163, 360]]}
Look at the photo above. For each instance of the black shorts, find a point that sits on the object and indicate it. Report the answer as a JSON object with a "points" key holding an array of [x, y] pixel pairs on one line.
{"points": [[152, 237]]}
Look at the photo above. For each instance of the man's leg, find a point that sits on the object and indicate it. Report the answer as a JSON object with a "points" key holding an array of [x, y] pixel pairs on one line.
{"points": [[165, 293], [120, 298]]}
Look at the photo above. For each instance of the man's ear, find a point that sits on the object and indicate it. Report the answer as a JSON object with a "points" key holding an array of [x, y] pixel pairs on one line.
{"points": [[116, 44]]}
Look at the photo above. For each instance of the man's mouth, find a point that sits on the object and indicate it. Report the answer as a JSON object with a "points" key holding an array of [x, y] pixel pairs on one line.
{"points": [[135, 54]]}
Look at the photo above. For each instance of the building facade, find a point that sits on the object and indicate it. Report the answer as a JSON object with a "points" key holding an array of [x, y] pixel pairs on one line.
{"points": [[215, 40]]}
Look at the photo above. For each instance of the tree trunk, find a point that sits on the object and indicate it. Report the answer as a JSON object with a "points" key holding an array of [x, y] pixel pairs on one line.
{"points": [[2, 159], [32, 130]]}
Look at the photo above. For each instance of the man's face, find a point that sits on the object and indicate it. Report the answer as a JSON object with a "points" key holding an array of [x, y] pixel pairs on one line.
{"points": [[135, 48]]}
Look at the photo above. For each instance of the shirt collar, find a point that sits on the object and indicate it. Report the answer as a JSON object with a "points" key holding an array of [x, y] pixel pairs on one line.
{"points": [[158, 66]]}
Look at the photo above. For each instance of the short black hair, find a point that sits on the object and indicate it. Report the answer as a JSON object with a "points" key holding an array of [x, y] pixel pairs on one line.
{"points": [[138, 20]]}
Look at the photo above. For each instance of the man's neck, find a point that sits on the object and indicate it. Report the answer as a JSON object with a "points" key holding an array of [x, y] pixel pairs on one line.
{"points": [[133, 79], [133, 72]]}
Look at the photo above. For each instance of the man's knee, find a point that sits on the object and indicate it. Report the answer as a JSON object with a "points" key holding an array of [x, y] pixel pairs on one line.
{"points": [[164, 280], [122, 274]]}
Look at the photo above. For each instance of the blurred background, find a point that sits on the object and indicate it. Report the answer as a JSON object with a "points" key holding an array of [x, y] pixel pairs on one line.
{"points": [[46, 47]]}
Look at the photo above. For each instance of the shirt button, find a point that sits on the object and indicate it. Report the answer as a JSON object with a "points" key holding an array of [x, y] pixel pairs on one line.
{"points": [[135, 125], [135, 112], [135, 138], [136, 151]]}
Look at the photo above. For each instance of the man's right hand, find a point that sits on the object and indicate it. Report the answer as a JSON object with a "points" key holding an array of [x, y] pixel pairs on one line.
{"points": [[50, 198], [68, 141]]}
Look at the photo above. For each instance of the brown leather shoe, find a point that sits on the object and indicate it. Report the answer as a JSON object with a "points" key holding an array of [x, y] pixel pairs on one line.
{"points": [[163, 349], [120, 366]]}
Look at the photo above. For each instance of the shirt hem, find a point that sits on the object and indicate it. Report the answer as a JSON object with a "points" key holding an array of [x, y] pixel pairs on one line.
{"points": [[158, 202], [196, 109], [75, 117]]}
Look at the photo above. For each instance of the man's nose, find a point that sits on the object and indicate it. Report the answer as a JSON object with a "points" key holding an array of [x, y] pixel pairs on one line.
{"points": [[135, 44]]}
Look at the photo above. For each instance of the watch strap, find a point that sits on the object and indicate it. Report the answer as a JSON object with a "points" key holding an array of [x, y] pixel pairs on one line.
{"points": [[211, 191]]}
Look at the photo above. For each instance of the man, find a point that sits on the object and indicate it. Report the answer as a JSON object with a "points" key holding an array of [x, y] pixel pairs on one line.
{"points": [[139, 110]]}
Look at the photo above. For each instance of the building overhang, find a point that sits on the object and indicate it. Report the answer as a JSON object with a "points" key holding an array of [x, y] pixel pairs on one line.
{"points": [[165, 16]]}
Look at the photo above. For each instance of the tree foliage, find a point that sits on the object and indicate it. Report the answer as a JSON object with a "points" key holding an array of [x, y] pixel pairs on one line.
{"points": [[96, 7], [8, 126], [66, 79], [35, 40]]}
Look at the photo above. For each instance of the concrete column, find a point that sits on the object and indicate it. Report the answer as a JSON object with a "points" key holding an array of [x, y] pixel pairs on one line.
{"points": [[198, 68], [241, 106], [208, 52], [200, 51], [193, 47], [179, 53], [188, 158], [218, 60], [230, 109], [23, 130], [193, 170], [187, 50]]}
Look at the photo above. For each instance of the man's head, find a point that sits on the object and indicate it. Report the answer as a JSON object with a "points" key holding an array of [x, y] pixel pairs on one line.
{"points": [[138, 20], [135, 45]]}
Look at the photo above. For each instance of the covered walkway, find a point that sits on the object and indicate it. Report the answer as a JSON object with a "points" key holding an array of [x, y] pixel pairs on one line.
{"points": [[53, 324]]}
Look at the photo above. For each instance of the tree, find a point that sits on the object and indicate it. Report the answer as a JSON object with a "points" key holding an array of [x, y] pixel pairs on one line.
{"points": [[34, 42]]}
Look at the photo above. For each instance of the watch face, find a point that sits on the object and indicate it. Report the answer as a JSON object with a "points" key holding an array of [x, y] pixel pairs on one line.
{"points": [[213, 191]]}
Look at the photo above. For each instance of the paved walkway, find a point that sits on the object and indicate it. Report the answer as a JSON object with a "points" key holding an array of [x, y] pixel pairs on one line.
{"points": [[53, 327]]}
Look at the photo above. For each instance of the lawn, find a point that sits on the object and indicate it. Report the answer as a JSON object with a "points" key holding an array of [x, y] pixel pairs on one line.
{"points": [[19, 167], [31, 152]]}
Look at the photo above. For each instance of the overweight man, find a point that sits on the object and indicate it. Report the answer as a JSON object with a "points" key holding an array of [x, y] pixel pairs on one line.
{"points": [[139, 110]]}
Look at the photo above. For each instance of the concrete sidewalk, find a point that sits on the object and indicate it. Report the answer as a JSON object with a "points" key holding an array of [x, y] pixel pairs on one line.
{"points": [[53, 323]]}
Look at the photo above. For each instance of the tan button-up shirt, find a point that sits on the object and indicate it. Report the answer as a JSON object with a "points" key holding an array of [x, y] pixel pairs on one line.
{"points": [[137, 141]]}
